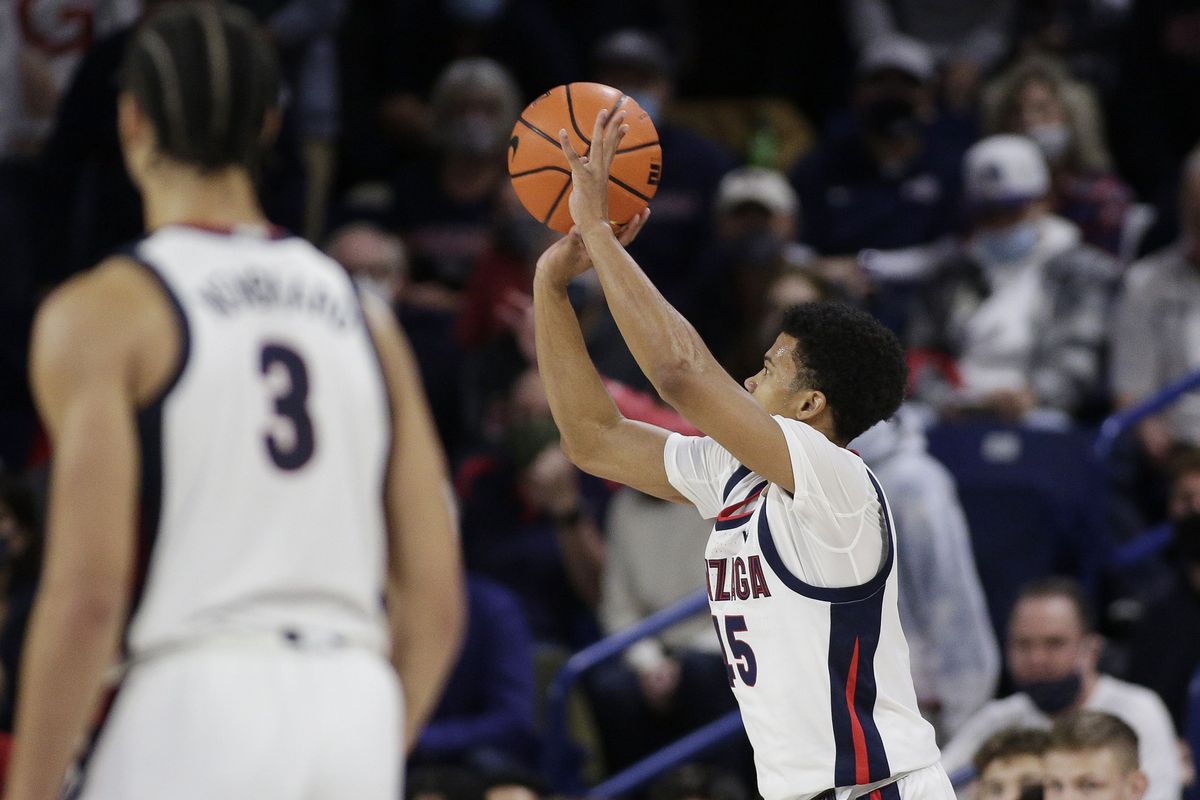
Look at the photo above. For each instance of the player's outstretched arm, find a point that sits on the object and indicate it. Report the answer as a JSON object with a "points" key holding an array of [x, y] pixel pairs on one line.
{"points": [[89, 372], [425, 585], [666, 346], [595, 436]]}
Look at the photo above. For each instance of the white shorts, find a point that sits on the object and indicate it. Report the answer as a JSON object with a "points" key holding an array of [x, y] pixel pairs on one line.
{"points": [[268, 722]]}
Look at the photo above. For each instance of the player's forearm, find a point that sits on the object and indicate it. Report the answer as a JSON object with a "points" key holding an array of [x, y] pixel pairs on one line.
{"points": [[427, 627], [580, 404], [665, 345], [73, 639]]}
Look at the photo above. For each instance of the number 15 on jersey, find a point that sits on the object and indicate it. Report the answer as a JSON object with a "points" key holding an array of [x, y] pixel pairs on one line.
{"points": [[742, 652]]}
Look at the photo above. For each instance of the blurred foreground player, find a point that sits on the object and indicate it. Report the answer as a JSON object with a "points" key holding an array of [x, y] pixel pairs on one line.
{"points": [[801, 560], [244, 468]]}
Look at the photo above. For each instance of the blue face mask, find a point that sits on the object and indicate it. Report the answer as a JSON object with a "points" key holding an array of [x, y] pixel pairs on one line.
{"points": [[1006, 245], [649, 103]]}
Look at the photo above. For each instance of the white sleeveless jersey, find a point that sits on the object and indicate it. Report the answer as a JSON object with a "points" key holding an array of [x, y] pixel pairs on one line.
{"points": [[263, 462], [821, 674]]}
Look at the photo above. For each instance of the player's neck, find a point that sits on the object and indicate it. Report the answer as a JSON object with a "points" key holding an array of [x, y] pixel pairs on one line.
{"points": [[175, 194]]}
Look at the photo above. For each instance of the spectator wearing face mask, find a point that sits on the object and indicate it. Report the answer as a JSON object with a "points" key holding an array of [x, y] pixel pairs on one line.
{"points": [[378, 263], [755, 214], [1052, 655], [1021, 308], [639, 64], [1038, 99], [1165, 647], [1009, 764], [443, 206], [889, 177]]}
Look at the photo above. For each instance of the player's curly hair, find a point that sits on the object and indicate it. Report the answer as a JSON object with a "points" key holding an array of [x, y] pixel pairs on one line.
{"points": [[852, 358]]}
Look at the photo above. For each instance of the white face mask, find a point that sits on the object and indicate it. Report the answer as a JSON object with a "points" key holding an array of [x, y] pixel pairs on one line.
{"points": [[1052, 139]]}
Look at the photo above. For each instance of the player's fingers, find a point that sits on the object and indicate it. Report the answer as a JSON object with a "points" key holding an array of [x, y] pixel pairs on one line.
{"points": [[614, 132], [598, 129], [633, 227], [568, 149]]}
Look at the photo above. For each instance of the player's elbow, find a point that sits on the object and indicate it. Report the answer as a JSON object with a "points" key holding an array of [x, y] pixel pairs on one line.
{"points": [[91, 602], [675, 380]]}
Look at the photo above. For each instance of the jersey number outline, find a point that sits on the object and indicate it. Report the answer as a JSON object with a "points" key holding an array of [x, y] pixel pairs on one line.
{"points": [[291, 405], [743, 653]]}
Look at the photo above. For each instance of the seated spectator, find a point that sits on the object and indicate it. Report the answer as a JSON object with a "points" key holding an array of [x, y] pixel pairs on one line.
{"points": [[1052, 656], [1038, 99], [639, 64], [1021, 309], [485, 717], [671, 684], [755, 214], [1152, 337], [443, 206], [1165, 646], [1009, 764], [968, 38], [530, 520], [378, 263], [1095, 755], [954, 655], [890, 178]]}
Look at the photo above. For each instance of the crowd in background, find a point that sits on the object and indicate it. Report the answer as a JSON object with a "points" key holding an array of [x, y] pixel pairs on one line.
{"points": [[1012, 186]]}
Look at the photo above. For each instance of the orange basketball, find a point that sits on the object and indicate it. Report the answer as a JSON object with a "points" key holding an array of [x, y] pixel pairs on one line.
{"points": [[539, 170]]}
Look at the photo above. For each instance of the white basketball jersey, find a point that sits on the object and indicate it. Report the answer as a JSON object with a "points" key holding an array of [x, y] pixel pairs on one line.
{"points": [[263, 463], [821, 674]]}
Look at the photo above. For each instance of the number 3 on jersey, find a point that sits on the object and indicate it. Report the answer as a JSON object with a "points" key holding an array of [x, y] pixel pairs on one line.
{"points": [[291, 404], [743, 653]]}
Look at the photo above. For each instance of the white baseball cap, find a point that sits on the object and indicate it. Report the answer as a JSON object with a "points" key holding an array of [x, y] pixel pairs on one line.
{"points": [[765, 187], [1004, 170], [899, 52]]}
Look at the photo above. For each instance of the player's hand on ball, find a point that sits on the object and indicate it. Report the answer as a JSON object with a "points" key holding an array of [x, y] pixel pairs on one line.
{"points": [[567, 258], [589, 173]]}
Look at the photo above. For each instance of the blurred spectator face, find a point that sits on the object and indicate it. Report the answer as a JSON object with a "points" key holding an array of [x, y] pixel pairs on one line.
{"points": [[1185, 495], [511, 791], [1050, 652], [752, 201], [639, 65], [1042, 117], [1007, 778], [376, 260], [1184, 511], [1099, 774], [893, 105], [1190, 210], [790, 288], [475, 104], [1006, 182]]}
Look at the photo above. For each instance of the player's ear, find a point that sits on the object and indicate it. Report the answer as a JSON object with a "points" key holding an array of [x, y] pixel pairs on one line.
{"points": [[135, 133], [1138, 784], [810, 403]]}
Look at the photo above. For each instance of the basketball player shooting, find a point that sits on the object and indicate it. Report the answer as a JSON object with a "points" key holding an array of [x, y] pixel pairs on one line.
{"points": [[801, 560], [244, 465]]}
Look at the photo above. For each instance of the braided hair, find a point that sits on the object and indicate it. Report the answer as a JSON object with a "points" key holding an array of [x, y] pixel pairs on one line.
{"points": [[206, 77]]}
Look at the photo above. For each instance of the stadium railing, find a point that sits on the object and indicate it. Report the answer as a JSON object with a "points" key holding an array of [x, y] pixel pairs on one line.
{"points": [[558, 761], [1116, 425]]}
